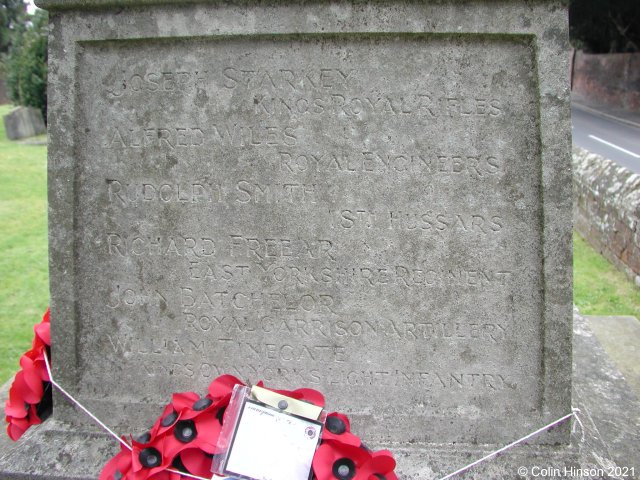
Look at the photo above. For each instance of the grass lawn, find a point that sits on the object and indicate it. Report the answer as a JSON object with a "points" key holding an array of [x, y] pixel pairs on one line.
{"points": [[24, 289], [599, 289]]}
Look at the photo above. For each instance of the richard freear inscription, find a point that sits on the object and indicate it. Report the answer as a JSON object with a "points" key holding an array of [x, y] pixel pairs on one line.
{"points": [[360, 214]]}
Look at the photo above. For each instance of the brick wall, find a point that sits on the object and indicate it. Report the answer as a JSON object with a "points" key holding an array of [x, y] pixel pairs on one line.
{"points": [[611, 79], [606, 209]]}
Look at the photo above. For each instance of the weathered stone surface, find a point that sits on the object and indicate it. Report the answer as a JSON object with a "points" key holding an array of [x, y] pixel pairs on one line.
{"points": [[610, 409], [24, 122], [608, 438], [620, 337], [370, 199]]}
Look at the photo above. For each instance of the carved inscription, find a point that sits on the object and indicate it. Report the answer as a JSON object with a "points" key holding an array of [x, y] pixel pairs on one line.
{"points": [[305, 329], [489, 383], [401, 276], [123, 193], [285, 79], [159, 82], [417, 104], [241, 246], [177, 246], [305, 213], [434, 221], [475, 166], [192, 299], [304, 83], [165, 137]]}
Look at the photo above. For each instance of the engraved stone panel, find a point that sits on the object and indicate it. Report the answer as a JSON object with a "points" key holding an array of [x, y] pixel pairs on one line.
{"points": [[359, 213]]}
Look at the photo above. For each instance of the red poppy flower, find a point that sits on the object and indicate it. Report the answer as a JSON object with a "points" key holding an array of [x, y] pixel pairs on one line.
{"points": [[16, 427], [222, 387], [165, 475], [119, 467], [150, 459], [337, 427], [16, 406], [19, 424], [338, 461], [185, 405], [380, 466], [197, 462], [34, 373], [187, 423], [191, 405], [187, 412], [183, 402], [165, 421], [145, 461], [42, 332], [199, 432], [30, 393], [24, 406], [220, 391], [16, 410]]}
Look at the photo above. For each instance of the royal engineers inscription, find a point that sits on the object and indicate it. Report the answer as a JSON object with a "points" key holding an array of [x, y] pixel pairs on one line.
{"points": [[355, 213]]}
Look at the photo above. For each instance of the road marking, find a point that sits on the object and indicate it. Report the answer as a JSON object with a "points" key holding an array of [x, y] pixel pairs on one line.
{"points": [[615, 146]]}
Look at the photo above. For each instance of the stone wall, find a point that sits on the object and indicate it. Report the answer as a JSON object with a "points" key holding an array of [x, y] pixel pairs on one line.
{"points": [[612, 79], [606, 209]]}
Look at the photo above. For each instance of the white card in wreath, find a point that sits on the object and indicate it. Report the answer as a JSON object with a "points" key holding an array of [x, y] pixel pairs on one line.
{"points": [[269, 444]]}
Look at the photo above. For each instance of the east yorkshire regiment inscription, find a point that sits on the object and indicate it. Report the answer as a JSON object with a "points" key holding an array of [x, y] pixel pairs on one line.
{"points": [[301, 210]]}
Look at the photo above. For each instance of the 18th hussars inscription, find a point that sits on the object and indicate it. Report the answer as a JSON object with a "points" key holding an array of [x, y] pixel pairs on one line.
{"points": [[359, 214]]}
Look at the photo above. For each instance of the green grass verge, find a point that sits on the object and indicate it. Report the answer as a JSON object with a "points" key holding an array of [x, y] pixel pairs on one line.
{"points": [[24, 284], [599, 289]]}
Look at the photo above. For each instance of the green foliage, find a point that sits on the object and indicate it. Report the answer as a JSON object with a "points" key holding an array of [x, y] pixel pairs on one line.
{"points": [[12, 18], [27, 65], [605, 26], [24, 289]]}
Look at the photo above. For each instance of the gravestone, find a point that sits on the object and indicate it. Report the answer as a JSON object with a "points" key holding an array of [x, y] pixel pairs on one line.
{"points": [[373, 200], [23, 122]]}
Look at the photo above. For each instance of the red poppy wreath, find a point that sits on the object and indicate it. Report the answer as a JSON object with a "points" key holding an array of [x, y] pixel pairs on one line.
{"points": [[30, 393], [183, 441]]}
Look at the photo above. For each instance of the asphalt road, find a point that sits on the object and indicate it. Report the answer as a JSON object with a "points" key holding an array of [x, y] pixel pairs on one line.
{"points": [[607, 137]]}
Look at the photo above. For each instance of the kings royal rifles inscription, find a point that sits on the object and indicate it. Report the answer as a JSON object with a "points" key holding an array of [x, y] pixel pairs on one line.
{"points": [[357, 214]]}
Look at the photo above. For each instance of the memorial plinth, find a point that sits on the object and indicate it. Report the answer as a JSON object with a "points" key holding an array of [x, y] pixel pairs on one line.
{"points": [[373, 200]]}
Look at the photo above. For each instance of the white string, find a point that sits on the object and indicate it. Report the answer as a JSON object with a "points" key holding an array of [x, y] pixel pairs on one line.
{"points": [[79, 405], [574, 413], [99, 422], [578, 422]]}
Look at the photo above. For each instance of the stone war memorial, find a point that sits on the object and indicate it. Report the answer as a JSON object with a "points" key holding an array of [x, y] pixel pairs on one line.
{"points": [[372, 199]]}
